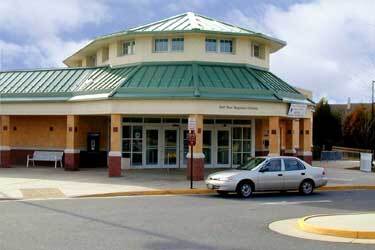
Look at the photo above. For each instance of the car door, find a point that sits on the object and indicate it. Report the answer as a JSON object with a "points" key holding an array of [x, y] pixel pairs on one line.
{"points": [[294, 173], [270, 176]]}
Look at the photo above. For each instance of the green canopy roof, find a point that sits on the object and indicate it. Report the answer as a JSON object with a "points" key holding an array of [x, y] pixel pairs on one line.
{"points": [[198, 80]]}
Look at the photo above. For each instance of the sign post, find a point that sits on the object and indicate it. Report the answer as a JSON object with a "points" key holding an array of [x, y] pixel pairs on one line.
{"points": [[192, 139]]}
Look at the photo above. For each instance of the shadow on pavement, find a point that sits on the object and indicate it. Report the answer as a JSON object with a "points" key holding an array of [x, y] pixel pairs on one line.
{"points": [[172, 242]]}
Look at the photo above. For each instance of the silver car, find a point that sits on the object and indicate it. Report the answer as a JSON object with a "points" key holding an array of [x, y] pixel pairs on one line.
{"points": [[268, 174]]}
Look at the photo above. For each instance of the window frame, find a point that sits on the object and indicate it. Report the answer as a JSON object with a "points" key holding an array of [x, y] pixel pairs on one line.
{"points": [[105, 54], [180, 39], [259, 50], [132, 46], [216, 45], [231, 45], [299, 163], [160, 39], [267, 162]]}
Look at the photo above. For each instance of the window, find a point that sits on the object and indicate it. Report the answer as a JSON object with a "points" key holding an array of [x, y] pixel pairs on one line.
{"points": [[251, 164], [241, 145], [177, 44], [207, 136], [211, 45], [272, 166], [226, 46], [132, 144], [128, 48], [161, 45], [91, 61], [293, 165], [105, 54], [256, 50]]}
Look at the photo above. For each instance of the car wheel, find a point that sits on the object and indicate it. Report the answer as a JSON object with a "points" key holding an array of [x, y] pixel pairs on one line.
{"points": [[222, 192], [306, 187], [245, 189]]}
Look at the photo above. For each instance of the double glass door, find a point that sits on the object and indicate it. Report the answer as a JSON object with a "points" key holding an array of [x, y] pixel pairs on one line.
{"points": [[161, 147]]}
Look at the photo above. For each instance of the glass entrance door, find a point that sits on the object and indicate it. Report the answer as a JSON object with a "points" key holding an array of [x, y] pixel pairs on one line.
{"points": [[152, 147], [223, 147], [171, 147]]}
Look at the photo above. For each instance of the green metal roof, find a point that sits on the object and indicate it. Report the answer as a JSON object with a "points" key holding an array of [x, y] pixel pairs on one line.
{"points": [[186, 22], [191, 22], [205, 80], [65, 82], [202, 80]]}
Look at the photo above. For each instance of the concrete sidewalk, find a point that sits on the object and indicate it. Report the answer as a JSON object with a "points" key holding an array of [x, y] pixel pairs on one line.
{"points": [[48, 182]]}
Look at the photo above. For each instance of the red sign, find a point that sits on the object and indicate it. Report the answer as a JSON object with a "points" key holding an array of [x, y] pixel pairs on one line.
{"points": [[192, 139]]}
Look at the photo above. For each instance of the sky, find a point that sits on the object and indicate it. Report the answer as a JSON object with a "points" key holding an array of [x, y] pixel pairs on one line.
{"points": [[330, 43]]}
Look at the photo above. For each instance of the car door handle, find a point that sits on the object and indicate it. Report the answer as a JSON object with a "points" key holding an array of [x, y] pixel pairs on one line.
{"points": [[280, 175], [302, 173]]}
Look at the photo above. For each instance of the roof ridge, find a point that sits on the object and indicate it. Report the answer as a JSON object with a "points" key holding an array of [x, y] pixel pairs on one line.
{"points": [[219, 21], [156, 22], [193, 22]]}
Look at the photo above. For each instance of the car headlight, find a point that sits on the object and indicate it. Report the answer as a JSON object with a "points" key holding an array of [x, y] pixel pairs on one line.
{"points": [[230, 178]]}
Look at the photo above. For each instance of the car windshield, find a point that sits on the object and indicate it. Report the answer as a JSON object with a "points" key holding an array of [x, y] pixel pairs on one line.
{"points": [[251, 163]]}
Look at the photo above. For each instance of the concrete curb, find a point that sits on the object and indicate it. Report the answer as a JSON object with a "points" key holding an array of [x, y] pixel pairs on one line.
{"points": [[346, 188], [354, 234], [208, 191], [152, 192]]}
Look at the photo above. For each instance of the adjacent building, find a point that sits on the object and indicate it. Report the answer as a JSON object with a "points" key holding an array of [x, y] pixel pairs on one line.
{"points": [[125, 99]]}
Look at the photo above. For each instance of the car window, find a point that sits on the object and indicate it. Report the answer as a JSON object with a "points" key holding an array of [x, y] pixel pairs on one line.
{"points": [[293, 165], [251, 164], [272, 166]]}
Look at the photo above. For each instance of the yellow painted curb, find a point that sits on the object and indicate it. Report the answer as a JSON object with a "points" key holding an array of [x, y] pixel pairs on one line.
{"points": [[354, 234], [347, 187], [208, 191], [153, 192]]}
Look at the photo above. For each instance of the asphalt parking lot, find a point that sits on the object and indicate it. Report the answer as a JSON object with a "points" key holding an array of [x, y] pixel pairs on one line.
{"points": [[171, 222]]}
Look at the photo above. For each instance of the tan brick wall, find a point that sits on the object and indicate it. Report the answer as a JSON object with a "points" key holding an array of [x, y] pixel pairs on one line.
{"points": [[38, 132], [34, 131], [274, 135], [282, 134], [5, 130], [198, 148], [116, 132], [93, 124], [305, 135]]}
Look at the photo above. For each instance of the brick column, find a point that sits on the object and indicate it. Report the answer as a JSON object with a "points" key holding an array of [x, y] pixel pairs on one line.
{"points": [[274, 136], [260, 131], [114, 156], [282, 137], [198, 156], [5, 141], [305, 142], [292, 137], [71, 155]]}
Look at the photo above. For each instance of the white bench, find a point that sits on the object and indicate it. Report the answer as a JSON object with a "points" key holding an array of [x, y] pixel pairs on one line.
{"points": [[54, 156]]}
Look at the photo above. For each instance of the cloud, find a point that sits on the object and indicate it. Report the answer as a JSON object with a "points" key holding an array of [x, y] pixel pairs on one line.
{"points": [[33, 32], [331, 45]]}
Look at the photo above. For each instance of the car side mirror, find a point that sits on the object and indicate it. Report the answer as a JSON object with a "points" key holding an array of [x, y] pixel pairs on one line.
{"points": [[262, 170]]}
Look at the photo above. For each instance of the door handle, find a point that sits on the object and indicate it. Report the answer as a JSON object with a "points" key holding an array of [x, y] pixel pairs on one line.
{"points": [[280, 175], [302, 173]]}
